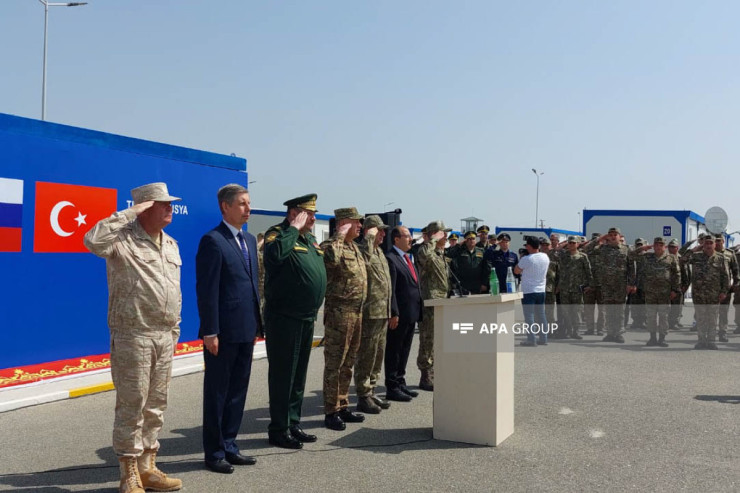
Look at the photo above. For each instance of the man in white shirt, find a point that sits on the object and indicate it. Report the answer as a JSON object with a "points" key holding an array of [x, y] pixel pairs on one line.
{"points": [[533, 269]]}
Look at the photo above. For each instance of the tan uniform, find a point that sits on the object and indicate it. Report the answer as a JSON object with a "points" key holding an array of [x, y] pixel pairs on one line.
{"points": [[144, 306]]}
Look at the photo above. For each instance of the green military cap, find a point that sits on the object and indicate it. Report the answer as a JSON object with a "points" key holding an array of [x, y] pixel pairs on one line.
{"points": [[615, 230], [453, 236], [470, 234], [374, 221], [484, 229], [544, 239], [673, 242], [574, 239], [659, 239], [504, 236], [435, 226], [595, 235], [347, 213], [639, 242], [307, 202], [491, 237]]}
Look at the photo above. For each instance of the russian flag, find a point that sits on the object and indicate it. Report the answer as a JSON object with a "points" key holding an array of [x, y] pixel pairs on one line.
{"points": [[11, 214]]}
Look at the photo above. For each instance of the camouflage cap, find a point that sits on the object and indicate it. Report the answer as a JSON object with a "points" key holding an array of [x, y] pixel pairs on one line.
{"points": [[435, 226], [595, 235], [470, 234], [615, 230], [673, 242], [574, 239], [701, 236], [453, 236], [347, 213], [504, 236], [307, 202], [639, 242], [659, 239], [719, 236], [544, 240], [152, 191], [374, 221], [483, 229]]}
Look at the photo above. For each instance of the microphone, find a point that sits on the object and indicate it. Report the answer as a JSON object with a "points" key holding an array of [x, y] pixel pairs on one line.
{"points": [[461, 291]]}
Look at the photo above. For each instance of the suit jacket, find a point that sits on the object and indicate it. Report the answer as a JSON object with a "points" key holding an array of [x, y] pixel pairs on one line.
{"points": [[228, 292], [406, 301]]}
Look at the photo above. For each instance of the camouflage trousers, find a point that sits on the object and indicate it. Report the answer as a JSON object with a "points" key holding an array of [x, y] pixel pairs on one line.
{"points": [[675, 312], [657, 307], [724, 313], [342, 334], [636, 305], [571, 311], [370, 355], [425, 359], [706, 321], [141, 369], [550, 307], [594, 322], [614, 311]]}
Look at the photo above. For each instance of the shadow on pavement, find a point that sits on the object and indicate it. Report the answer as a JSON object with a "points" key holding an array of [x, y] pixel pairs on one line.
{"points": [[723, 399]]}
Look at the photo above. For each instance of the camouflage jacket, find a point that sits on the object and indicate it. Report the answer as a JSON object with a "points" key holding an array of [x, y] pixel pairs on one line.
{"points": [[708, 277], [575, 272], [660, 275], [732, 266], [434, 278], [143, 278], [614, 270], [346, 273], [553, 272], [378, 303]]}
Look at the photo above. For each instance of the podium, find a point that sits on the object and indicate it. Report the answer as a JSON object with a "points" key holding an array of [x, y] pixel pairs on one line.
{"points": [[474, 367]]}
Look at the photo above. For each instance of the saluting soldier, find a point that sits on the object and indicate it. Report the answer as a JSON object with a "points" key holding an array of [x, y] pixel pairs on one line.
{"points": [[295, 284], [636, 300], [593, 303], [674, 313], [575, 278], [724, 306], [345, 295], [483, 235], [469, 266], [434, 284], [660, 278], [452, 239], [551, 280]]}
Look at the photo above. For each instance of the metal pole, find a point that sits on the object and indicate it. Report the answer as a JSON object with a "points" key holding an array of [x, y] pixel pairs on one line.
{"points": [[537, 202], [43, 81]]}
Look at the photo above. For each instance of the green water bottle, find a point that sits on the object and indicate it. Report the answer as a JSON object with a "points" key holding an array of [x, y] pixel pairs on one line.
{"points": [[493, 280]]}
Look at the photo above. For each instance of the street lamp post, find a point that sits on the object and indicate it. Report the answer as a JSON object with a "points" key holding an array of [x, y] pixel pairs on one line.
{"points": [[537, 199], [46, 5]]}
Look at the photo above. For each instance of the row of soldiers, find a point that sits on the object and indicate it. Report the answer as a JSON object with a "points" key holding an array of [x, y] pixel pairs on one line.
{"points": [[605, 273]]}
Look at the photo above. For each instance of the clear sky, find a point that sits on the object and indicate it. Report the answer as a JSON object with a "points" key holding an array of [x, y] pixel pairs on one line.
{"points": [[442, 108]]}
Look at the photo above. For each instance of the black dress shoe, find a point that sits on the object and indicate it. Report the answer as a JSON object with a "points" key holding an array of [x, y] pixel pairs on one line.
{"points": [[334, 422], [283, 440], [350, 417], [384, 404], [240, 460], [220, 466], [397, 395], [408, 391], [297, 432]]}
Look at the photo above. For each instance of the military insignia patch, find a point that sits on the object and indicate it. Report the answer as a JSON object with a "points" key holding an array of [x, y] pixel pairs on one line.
{"points": [[271, 237]]}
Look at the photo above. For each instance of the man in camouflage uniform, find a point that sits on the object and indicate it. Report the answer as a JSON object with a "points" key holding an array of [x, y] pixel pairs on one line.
{"points": [[346, 291], [636, 300], [660, 279], [674, 314], [710, 282], [468, 265], [375, 316], [685, 253], [434, 284], [593, 303], [724, 306], [144, 303], [551, 282], [617, 279], [575, 279]]}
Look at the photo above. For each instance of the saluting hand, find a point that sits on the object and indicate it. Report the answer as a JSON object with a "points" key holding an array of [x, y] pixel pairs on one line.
{"points": [[372, 231], [438, 235], [300, 220], [139, 208], [344, 228]]}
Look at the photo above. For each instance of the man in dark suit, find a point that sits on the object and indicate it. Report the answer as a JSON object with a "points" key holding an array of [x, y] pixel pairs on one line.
{"points": [[226, 270], [406, 309]]}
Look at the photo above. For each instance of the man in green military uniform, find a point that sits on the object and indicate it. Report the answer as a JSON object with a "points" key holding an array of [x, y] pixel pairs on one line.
{"points": [[660, 279], [551, 282], [483, 235], [345, 295], [674, 314], [295, 284], [575, 278], [434, 284], [469, 266], [724, 306]]}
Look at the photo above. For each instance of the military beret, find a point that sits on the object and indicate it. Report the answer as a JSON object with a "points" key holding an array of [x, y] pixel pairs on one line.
{"points": [[545, 240], [673, 242], [484, 229], [504, 236], [659, 239], [574, 239], [453, 236], [639, 242], [470, 234], [435, 226], [615, 230], [374, 221], [307, 202], [347, 213]]}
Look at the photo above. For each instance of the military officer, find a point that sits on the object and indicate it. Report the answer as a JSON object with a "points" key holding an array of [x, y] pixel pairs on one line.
{"points": [[501, 260], [660, 278], [452, 240], [575, 279], [636, 300], [295, 284], [710, 282], [469, 266], [483, 235], [593, 302], [551, 281], [724, 307], [434, 284], [674, 313], [376, 313], [346, 292]]}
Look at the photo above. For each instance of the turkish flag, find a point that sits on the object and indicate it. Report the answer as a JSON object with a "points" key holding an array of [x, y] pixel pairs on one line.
{"points": [[64, 213]]}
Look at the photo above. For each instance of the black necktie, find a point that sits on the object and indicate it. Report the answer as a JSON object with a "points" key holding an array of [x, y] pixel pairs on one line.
{"points": [[245, 252]]}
